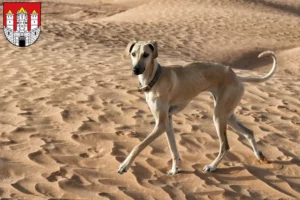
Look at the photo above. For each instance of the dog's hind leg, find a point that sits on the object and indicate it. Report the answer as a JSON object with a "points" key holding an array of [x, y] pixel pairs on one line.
{"points": [[220, 124], [225, 100], [248, 134]]}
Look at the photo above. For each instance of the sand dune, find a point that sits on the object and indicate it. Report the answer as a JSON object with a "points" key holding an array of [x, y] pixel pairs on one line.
{"points": [[70, 112]]}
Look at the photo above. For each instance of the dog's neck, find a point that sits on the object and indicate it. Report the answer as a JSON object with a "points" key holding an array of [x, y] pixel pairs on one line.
{"points": [[148, 74]]}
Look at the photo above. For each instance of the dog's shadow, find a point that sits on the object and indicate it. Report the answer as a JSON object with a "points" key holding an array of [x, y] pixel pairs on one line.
{"points": [[252, 172], [227, 170]]}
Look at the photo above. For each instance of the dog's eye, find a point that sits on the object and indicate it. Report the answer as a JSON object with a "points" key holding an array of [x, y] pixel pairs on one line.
{"points": [[145, 55], [133, 54]]}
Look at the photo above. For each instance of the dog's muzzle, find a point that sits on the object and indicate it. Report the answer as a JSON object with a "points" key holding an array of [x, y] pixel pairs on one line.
{"points": [[137, 70]]}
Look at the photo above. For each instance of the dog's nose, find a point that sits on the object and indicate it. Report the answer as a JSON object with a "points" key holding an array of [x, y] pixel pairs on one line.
{"points": [[136, 71]]}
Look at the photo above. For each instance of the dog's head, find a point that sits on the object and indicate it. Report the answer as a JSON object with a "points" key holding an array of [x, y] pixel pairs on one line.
{"points": [[142, 54]]}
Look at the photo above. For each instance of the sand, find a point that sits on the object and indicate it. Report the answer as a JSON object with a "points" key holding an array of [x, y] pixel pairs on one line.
{"points": [[70, 112]]}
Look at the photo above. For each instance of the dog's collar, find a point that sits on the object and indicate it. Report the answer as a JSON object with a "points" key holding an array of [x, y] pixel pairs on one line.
{"points": [[148, 87]]}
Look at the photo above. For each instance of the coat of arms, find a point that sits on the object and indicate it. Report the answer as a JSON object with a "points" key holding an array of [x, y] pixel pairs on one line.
{"points": [[22, 22]]}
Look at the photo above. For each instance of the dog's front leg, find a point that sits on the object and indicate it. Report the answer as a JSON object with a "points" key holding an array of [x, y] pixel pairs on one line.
{"points": [[160, 127], [173, 148]]}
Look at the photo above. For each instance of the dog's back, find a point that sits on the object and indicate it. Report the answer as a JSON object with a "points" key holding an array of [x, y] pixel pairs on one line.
{"points": [[200, 76]]}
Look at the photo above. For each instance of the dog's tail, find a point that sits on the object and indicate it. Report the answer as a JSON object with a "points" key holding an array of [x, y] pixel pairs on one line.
{"points": [[266, 77]]}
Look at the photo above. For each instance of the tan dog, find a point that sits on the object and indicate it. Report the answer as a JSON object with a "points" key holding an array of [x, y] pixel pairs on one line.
{"points": [[169, 89]]}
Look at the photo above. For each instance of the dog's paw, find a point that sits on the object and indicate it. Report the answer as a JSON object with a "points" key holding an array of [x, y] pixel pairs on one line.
{"points": [[209, 168], [262, 159], [123, 168], [172, 172]]}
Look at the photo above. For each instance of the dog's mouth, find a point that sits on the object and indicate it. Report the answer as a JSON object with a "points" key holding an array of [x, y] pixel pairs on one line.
{"points": [[135, 73]]}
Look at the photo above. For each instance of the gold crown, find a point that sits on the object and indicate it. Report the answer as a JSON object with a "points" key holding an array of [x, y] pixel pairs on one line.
{"points": [[22, 10]]}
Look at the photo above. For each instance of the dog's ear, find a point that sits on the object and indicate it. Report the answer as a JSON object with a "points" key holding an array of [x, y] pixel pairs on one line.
{"points": [[128, 49], [153, 47]]}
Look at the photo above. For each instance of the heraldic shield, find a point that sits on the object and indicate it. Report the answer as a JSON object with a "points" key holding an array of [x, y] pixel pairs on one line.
{"points": [[22, 22]]}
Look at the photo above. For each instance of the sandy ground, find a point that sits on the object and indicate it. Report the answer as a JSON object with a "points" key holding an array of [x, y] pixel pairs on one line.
{"points": [[70, 112]]}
